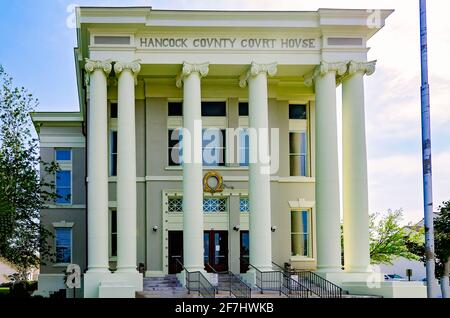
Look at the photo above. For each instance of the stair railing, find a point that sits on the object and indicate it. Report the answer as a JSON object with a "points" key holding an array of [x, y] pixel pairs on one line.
{"points": [[197, 282], [316, 284], [233, 283]]}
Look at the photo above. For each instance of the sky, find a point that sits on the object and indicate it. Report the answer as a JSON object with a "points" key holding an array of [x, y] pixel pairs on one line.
{"points": [[37, 43]]}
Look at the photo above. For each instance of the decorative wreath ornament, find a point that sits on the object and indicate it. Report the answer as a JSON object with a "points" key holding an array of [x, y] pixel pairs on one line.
{"points": [[212, 182]]}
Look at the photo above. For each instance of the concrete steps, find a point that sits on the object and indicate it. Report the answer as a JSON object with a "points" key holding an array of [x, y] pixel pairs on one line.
{"points": [[163, 287]]}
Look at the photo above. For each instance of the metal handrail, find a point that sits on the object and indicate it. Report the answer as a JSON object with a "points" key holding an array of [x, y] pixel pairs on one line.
{"points": [[196, 281], [235, 285], [315, 283]]}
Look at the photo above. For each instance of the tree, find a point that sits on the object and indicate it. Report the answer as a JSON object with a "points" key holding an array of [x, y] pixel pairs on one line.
{"points": [[442, 246], [22, 193], [389, 240]]}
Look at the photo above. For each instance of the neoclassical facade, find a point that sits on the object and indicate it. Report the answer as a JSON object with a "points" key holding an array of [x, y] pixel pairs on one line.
{"points": [[211, 137]]}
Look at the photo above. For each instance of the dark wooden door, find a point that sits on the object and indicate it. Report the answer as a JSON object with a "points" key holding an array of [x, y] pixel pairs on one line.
{"points": [[175, 251], [216, 250], [245, 251]]}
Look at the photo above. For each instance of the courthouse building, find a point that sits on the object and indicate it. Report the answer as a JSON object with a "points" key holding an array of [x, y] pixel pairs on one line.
{"points": [[238, 83]]}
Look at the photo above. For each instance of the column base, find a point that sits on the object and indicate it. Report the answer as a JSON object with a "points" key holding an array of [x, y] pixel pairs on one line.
{"points": [[112, 285]]}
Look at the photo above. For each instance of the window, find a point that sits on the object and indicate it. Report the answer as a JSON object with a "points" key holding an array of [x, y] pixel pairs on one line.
{"points": [[213, 147], [298, 154], [300, 233], [175, 109], [243, 109], [214, 109], [113, 233], [113, 110], [63, 155], [215, 205], [175, 147], [63, 243], [113, 153], [297, 111], [244, 206], [210, 205], [175, 205], [64, 176], [244, 147]]}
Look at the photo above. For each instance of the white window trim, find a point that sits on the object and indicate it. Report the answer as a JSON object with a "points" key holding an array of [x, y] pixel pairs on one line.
{"points": [[309, 257], [64, 224], [65, 165]]}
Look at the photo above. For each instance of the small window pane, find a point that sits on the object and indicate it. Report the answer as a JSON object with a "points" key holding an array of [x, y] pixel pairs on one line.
{"points": [[175, 150], [213, 147], [175, 109], [243, 109], [244, 205], [297, 111], [63, 154], [113, 110], [63, 238], [244, 148], [214, 109]]}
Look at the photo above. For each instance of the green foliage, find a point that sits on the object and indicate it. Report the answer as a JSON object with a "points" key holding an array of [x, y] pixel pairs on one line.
{"points": [[22, 193], [389, 240], [442, 240]]}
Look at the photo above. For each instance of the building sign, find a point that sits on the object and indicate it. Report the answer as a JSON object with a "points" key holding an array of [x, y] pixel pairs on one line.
{"points": [[227, 43]]}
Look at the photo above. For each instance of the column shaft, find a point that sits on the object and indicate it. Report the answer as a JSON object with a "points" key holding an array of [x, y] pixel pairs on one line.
{"points": [[327, 175], [126, 172], [97, 170], [355, 188], [192, 175], [259, 181]]}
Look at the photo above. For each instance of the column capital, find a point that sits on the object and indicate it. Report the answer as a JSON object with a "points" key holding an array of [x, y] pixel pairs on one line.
{"points": [[92, 65], [134, 67], [367, 68], [340, 68], [255, 69], [188, 68]]}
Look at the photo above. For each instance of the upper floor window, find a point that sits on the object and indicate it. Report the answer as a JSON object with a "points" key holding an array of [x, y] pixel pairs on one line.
{"points": [[113, 153], [175, 109], [63, 182], [214, 109], [63, 242], [297, 111], [243, 109], [113, 110], [298, 141]]}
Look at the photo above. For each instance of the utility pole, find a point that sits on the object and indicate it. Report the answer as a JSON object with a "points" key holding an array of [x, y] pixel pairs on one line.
{"points": [[426, 155]]}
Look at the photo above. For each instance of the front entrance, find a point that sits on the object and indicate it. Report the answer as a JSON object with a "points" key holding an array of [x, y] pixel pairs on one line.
{"points": [[216, 250]]}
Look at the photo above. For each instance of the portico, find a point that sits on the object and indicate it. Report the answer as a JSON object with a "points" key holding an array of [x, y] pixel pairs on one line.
{"points": [[154, 85]]}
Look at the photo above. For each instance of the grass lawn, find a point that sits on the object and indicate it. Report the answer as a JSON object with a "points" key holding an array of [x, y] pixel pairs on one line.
{"points": [[4, 290]]}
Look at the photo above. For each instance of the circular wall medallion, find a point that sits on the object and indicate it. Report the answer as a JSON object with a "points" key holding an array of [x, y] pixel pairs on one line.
{"points": [[212, 182]]}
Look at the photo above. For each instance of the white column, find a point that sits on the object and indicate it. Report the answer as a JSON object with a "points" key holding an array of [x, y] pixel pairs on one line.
{"points": [[354, 172], [327, 167], [126, 167], [259, 172], [192, 167], [97, 167]]}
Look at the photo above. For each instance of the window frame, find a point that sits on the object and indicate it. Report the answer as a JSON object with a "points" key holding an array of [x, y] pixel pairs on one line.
{"points": [[63, 225], [64, 165], [295, 126], [310, 251]]}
